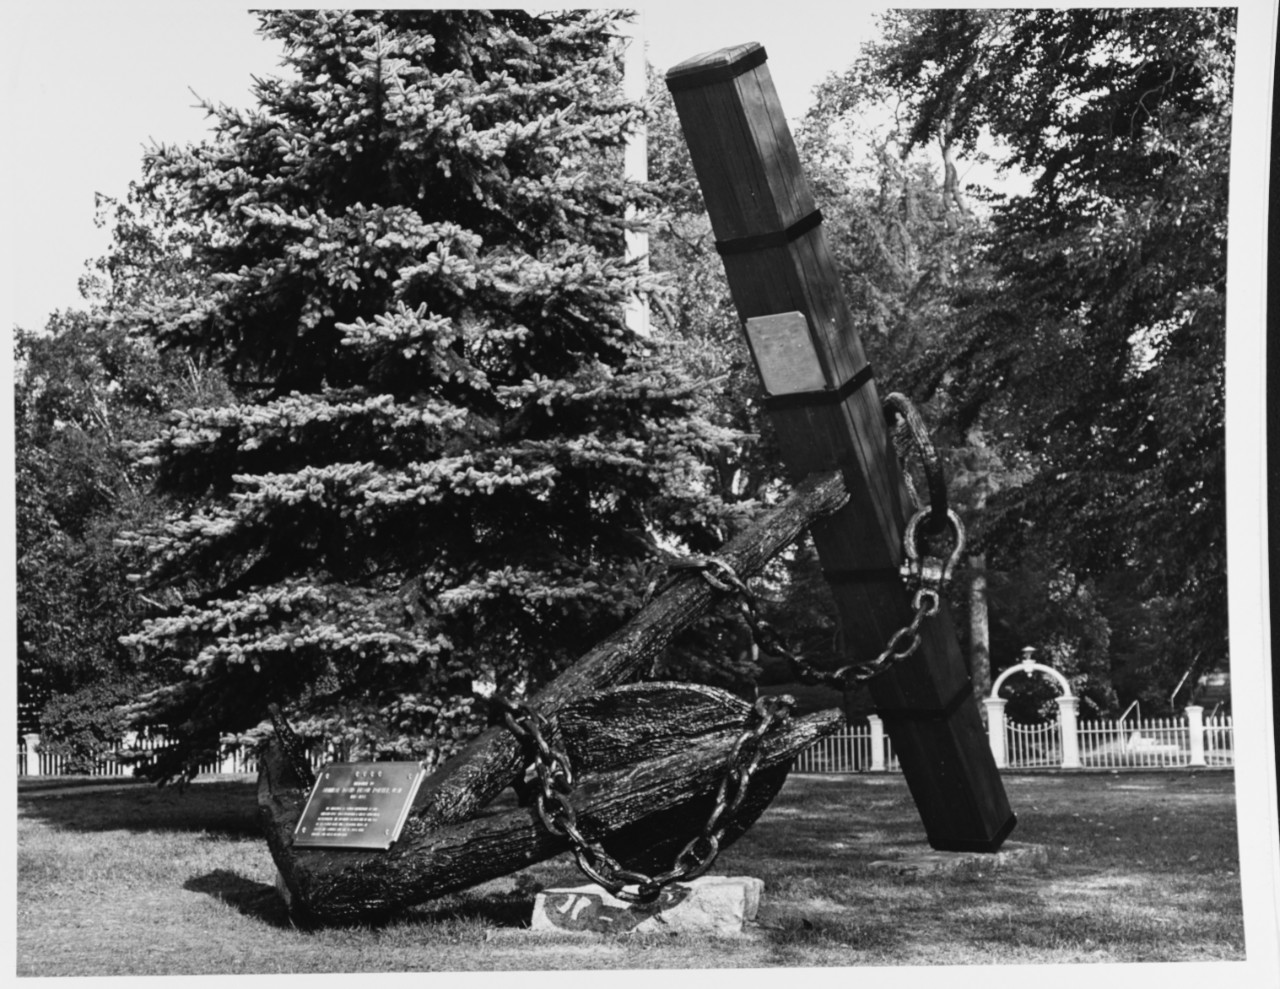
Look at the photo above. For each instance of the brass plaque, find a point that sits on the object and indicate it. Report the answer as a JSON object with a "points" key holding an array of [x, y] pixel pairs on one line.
{"points": [[358, 805], [785, 353]]}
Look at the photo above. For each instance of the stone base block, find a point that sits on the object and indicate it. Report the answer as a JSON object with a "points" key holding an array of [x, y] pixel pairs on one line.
{"points": [[707, 905], [923, 860]]}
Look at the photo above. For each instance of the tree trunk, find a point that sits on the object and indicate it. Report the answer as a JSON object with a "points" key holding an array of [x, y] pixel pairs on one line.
{"points": [[979, 641]]}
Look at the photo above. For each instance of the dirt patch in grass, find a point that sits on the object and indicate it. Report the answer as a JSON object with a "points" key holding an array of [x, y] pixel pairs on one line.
{"points": [[138, 881]]}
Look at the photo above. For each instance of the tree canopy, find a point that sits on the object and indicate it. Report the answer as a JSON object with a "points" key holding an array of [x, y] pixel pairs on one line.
{"points": [[448, 461], [85, 390], [1092, 348]]}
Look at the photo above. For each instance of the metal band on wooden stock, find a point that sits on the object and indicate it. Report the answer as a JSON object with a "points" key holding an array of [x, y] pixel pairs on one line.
{"points": [[772, 238], [824, 396]]}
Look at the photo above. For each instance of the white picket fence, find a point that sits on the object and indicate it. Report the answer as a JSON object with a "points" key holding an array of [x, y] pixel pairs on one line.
{"points": [[858, 748], [1153, 743], [117, 759], [1033, 746]]}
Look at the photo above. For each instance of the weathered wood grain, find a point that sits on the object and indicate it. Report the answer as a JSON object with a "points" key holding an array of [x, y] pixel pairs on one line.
{"points": [[753, 185]]}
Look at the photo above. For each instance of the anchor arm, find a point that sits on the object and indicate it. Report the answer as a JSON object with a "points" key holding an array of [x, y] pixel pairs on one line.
{"points": [[632, 805], [493, 760]]}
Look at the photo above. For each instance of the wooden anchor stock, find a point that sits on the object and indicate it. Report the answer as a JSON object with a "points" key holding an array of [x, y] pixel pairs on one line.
{"points": [[821, 399]]}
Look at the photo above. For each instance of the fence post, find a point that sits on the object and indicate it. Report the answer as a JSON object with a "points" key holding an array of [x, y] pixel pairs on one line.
{"points": [[877, 742], [995, 729], [1067, 724], [32, 743], [1195, 725]]}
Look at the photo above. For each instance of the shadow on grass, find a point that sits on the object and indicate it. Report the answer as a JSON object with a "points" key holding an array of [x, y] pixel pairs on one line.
{"points": [[493, 910], [225, 808], [262, 902], [253, 899], [36, 785]]}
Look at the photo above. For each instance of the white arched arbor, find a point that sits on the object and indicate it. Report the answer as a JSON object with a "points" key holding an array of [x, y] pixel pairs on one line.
{"points": [[1067, 711]]}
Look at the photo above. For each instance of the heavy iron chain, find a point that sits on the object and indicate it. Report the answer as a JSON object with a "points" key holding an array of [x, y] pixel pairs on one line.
{"points": [[925, 576], [766, 638], [911, 436], [555, 808]]}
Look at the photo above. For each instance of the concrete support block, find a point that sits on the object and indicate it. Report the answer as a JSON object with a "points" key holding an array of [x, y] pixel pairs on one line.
{"points": [[719, 905]]}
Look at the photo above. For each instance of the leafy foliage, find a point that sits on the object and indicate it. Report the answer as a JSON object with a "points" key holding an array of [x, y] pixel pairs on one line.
{"points": [[903, 234], [1096, 349], [448, 460], [84, 390], [83, 725], [907, 237]]}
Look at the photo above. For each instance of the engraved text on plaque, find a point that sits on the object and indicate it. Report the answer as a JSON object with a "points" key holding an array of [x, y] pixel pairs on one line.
{"points": [[358, 805]]}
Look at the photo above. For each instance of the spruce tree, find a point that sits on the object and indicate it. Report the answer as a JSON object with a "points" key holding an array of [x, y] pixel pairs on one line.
{"points": [[448, 463]]}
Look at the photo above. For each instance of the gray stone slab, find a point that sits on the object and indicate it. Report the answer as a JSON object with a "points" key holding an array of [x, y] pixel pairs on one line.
{"points": [[923, 860], [720, 905]]}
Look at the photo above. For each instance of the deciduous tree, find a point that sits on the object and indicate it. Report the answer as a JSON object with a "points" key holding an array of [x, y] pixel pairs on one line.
{"points": [[1099, 343], [84, 391]]}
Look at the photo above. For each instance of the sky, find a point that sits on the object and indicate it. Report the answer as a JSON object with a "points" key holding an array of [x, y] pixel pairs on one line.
{"points": [[90, 86]]}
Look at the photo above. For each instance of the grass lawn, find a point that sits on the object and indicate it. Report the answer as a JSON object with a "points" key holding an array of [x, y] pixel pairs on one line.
{"points": [[130, 880]]}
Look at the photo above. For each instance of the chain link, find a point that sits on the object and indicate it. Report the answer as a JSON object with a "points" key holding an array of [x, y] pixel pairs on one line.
{"points": [[902, 644], [912, 436], [925, 575], [554, 772]]}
